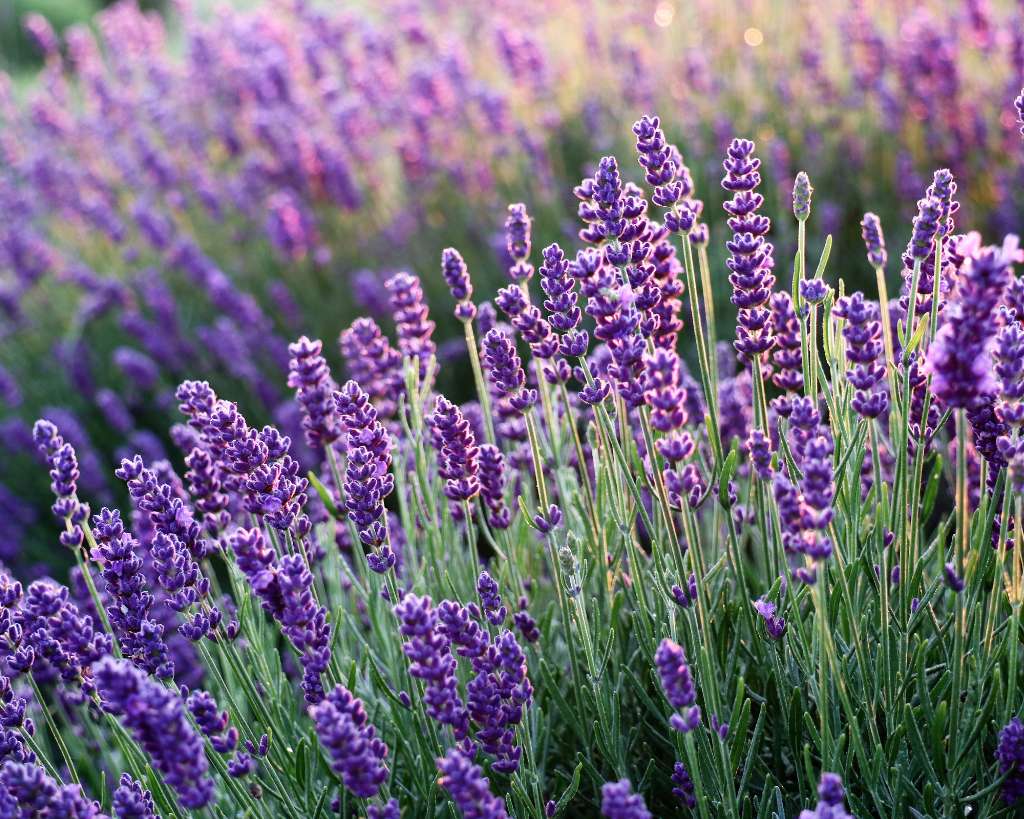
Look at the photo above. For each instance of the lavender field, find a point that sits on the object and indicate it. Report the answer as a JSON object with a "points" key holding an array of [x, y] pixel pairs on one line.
{"points": [[514, 409]]}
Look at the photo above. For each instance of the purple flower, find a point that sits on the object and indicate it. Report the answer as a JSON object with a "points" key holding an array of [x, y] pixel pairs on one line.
{"points": [[431, 660], [374, 364], [357, 754], [129, 601], [951, 578], [863, 334], [458, 456], [619, 802], [1010, 756], [517, 242], [787, 357], [655, 157], [304, 623], [309, 376], [132, 801], [389, 810], [751, 259], [137, 367], [456, 276], [490, 599], [1018, 103], [212, 721], [505, 371], [601, 203], [412, 319], [959, 357], [774, 625], [830, 800], [468, 787], [683, 790], [678, 684], [926, 225], [492, 486], [156, 719], [874, 240]]}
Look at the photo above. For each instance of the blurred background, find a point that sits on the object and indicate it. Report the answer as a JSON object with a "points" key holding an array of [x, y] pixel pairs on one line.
{"points": [[187, 187]]}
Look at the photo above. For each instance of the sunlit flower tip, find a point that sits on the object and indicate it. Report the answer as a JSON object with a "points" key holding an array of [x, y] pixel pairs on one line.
{"points": [[619, 802], [874, 240], [1018, 103], [926, 225], [802, 191]]}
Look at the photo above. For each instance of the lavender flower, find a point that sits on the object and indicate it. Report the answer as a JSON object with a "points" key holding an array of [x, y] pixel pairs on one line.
{"points": [[309, 376], [751, 259], [357, 754], [373, 364], [490, 599], [774, 625], [683, 790], [601, 203], [63, 463], [874, 241], [458, 456], [863, 334], [456, 276], [304, 623], [678, 684], [505, 371], [830, 800], [129, 605], [468, 787], [412, 321], [492, 486], [155, 718], [212, 721], [802, 191], [787, 357], [619, 802], [431, 660], [1010, 756], [1018, 103], [959, 358], [655, 157], [517, 242], [132, 801]]}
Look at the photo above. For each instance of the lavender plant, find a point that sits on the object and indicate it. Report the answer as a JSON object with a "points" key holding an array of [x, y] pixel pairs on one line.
{"points": [[785, 582]]}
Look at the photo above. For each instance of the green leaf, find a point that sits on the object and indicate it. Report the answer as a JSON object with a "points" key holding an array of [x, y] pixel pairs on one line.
{"points": [[324, 494]]}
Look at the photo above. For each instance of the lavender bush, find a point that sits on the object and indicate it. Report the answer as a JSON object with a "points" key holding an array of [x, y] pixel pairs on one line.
{"points": [[786, 582], [181, 202]]}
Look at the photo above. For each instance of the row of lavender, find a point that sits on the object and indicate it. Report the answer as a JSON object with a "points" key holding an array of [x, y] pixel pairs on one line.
{"points": [[168, 216], [794, 577]]}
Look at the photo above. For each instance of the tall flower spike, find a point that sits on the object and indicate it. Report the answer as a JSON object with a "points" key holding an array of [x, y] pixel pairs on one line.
{"points": [[155, 717], [1018, 103], [619, 802], [678, 684], [456, 276], [412, 319], [492, 486], [132, 801], [468, 787], [802, 191], [357, 754], [863, 334], [458, 456], [309, 376], [505, 371], [63, 463], [517, 242], [373, 363], [655, 157], [959, 357], [874, 240], [787, 357], [750, 257]]}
